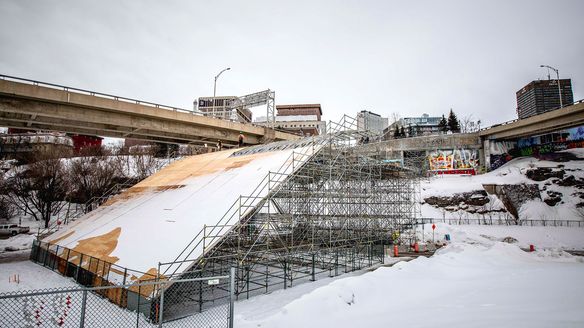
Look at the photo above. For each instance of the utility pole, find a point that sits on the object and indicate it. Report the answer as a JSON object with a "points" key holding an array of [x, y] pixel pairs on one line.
{"points": [[558, 78], [215, 89]]}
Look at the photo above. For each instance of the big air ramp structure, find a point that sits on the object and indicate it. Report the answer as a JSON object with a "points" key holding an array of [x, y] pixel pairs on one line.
{"points": [[280, 214]]}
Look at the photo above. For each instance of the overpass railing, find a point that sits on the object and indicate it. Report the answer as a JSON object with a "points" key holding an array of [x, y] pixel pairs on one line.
{"points": [[97, 94], [515, 120]]}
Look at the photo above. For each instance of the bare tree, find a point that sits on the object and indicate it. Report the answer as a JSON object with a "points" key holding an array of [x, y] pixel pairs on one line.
{"points": [[91, 177], [394, 117], [469, 125], [143, 162], [6, 208], [40, 189]]}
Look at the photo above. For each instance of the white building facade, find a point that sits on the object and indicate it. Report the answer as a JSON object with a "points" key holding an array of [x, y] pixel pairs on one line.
{"points": [[367, 120]]}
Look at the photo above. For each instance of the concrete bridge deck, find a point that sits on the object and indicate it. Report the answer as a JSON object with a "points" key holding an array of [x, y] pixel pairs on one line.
{"points": [[42, 106], [554, 120]]}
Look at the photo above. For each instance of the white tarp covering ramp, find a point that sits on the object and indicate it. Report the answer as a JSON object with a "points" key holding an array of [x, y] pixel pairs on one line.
{"points": [[153, 221]]}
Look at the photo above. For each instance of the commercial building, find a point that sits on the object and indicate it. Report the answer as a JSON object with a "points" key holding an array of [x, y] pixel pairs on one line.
{"points": [[301, 119], [415, 126], [543, 96], [299, 109], [370, 121]]}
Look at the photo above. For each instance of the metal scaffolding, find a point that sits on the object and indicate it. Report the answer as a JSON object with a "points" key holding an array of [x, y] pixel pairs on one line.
{"points": [[332, 213]]}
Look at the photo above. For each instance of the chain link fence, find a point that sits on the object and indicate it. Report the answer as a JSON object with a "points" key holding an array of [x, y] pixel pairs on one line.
{"points": [[502, 221], [149, 305]]}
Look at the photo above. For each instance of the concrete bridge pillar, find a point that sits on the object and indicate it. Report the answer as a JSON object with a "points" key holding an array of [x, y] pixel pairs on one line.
{"points": [[486, 154], [269, 135]]}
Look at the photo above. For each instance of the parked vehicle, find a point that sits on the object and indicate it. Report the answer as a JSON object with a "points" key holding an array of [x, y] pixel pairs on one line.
{"points": [[12, 229]]}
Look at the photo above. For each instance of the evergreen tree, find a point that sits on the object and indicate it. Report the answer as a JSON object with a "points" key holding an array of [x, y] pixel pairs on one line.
{"points": [[443, 125], [453, 124]]}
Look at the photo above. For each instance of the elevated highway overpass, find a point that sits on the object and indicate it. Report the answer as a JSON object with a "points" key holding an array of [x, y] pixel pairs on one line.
{"points": [[566, 117], [482, 141], [36, 105]]}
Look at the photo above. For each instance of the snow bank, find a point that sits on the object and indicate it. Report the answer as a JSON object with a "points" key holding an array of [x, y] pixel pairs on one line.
{"points": [[15, 243], [562, 238], [477, 282]]}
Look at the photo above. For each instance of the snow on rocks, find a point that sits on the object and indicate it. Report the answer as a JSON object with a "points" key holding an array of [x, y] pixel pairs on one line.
{"points": [[560, 184]]}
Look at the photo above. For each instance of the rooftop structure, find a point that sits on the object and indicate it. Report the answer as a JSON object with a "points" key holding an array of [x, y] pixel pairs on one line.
{"points": [[299, 109], [223, 108]]}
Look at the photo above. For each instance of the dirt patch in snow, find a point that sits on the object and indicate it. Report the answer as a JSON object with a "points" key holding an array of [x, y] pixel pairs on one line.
{"points": [[173, 175], [509, 240], [237, 164]]}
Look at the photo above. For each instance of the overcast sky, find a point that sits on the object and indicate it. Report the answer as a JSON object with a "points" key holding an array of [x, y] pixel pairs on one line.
{"points": [[406, 57]]}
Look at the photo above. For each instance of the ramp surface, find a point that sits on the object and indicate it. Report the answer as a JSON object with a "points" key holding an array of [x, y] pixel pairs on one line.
{"points": [[153, 221]]}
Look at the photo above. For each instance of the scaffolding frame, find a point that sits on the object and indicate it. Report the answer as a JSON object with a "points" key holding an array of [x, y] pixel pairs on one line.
{"points": [[328, 210], [237, 109]]}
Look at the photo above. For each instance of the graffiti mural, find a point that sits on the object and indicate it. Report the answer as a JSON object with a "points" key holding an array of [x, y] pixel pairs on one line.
{"points": [[502, 152], [552, 142], [537, 146], [453, 161]]}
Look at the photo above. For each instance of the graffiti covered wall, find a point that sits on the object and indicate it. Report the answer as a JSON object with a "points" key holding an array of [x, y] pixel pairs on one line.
{"points": [[453, 161], [552, 142], [503, 151]]}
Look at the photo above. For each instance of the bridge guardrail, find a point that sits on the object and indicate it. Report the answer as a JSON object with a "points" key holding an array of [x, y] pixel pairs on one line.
{"points": [[99, 94], [515, 120]]}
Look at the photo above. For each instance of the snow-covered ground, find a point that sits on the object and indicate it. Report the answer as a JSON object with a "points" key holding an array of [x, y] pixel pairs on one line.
{"points": [[475, 281], [15, 243]]}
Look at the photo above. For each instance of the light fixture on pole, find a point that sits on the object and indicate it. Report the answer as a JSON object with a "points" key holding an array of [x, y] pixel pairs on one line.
{"points": [[215, 88], [558, 76]]}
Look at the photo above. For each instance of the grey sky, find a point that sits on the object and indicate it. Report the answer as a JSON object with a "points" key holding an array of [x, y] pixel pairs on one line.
{"points": [[409, 57]]}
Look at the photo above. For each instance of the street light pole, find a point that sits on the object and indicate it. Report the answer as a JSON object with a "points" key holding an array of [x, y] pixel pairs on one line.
{"points": [[215, 88], [558, 76]]}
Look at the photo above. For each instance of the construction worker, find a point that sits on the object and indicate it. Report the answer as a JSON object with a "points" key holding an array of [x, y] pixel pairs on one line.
{"points": [[241, 137], [395, 237], [219, 145]]}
